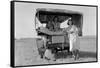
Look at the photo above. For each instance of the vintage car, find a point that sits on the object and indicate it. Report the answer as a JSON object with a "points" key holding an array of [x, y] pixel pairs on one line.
{"points": [[47, 24]]}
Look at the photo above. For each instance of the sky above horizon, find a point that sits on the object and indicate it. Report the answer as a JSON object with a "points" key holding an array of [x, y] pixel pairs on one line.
{"points": [[25, 18]]}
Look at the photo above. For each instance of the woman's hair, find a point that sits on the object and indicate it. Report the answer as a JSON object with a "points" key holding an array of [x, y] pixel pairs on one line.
{"points": [[70, 19], [55, 18]]}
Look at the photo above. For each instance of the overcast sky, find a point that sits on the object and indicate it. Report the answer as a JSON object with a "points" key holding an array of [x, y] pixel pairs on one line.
{"points": [[25, 15]]}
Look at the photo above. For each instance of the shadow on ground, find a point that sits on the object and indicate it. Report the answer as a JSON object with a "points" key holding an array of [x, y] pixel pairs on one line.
{"points": [[81, 55], [87, 54]]}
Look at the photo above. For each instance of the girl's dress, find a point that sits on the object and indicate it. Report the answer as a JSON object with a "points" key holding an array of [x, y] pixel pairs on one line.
{"points": [[73, 38]]}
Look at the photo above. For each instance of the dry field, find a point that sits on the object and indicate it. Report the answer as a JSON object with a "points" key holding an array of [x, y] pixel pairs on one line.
{"points": [[26, 52]]}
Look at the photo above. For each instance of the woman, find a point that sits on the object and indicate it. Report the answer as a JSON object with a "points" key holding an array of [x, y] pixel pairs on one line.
{"points": [[73, 38]]}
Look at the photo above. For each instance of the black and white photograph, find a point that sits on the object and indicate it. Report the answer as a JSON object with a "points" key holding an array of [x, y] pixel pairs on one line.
{"points": [[51, 33]]}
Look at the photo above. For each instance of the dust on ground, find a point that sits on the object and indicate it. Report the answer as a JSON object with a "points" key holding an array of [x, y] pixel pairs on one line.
{"points": [[26, 52]]}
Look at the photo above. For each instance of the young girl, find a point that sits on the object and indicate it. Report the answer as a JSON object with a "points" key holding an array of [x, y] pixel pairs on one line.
{"points": [[73, 38], [72, 33]]}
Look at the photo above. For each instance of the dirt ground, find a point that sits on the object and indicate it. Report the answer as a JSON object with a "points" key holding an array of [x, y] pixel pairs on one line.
{"points": [[26, 52]]}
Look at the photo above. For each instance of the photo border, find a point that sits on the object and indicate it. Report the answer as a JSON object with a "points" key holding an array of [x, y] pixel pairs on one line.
{"points": [[12, 32]]}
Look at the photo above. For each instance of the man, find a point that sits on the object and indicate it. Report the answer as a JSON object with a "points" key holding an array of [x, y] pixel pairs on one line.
{"points": [[49, 55]]}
